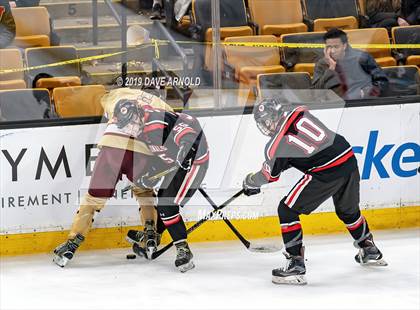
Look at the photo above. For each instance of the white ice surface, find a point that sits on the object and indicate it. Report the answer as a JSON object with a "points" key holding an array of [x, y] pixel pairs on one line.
{"points": [[227, 276]]}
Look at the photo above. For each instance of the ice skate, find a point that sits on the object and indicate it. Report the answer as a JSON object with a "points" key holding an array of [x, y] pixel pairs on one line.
{"points": [[293, 273], [144, 242], [369, 254], [184, 257], [65, 252]]}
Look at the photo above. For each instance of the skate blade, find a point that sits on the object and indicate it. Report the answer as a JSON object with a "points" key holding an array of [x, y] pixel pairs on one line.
{"points": [[380, 263], [188, 266], [290, 280], [60, 261], [150, 251]]}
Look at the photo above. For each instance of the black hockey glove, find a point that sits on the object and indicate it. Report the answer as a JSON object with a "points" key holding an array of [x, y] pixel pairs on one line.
{"points": [[185, 155], [250, 187], [144, 180]]}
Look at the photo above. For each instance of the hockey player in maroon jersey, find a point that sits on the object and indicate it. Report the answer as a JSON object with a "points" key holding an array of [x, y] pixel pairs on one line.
{"points": [[177, 139], [300, 140]]}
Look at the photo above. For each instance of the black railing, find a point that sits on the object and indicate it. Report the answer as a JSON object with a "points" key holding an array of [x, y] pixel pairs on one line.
{"points": [[178, 49], [121, 19]]}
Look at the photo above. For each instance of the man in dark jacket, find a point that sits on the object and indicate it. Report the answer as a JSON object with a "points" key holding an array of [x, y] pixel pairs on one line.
{"points": [[351, 73], [7, 24]]}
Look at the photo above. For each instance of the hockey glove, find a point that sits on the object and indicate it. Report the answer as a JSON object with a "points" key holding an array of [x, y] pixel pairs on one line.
{"points": [[249, 186], [185, 155], [144, 180]]}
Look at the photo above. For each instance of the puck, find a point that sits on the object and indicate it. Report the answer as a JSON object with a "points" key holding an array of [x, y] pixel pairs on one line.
{"points": [[131, 256]]}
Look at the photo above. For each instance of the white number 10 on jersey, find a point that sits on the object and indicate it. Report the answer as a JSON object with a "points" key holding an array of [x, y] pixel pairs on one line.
{"points": [[311, 131]]}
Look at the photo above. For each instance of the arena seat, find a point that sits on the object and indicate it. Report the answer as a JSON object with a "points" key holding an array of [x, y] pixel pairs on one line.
{"points": [[32, 26], [11, 59], [25, 105], [403, 81], [324, 15], [382, 56], [249, 61], [277, 17], [408, 35], [233, 23], [67, 74], [286, 80], [302, 59], [79, 101]]}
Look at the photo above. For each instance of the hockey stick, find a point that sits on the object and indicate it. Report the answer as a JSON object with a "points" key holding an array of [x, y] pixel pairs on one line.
{"points": [[154, 177], [251, 247], [198, 224]]}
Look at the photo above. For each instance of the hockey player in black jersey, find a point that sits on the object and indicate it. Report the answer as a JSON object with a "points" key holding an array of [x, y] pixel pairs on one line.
{"points": [[300, 140], [174, 139]]}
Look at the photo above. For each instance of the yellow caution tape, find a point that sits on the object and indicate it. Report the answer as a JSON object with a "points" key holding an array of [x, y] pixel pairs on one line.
{"points": [[302, 45], [156, 44], [61, 63], [157, 53], [70, 61]]}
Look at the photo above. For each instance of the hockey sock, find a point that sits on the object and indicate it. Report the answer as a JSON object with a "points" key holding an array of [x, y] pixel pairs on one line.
{"points": [[358, 227], [177, 230], [291, 229], [173, 222], [146, 200], [160, 226]]}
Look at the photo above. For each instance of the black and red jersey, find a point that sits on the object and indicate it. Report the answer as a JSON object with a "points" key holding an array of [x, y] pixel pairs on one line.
{"points": [[302, 141], [164, 131]]}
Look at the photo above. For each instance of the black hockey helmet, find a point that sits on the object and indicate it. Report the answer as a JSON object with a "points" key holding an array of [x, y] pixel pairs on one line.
{"points": [[125, 111], [267, 113]]}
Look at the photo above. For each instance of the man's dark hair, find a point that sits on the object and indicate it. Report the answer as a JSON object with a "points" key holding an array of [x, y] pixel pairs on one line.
{"points": [[335, 33]]}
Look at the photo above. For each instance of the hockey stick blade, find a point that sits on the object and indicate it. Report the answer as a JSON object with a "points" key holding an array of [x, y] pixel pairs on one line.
{"points": [[245, 242], [264, 248], [199, 223]]}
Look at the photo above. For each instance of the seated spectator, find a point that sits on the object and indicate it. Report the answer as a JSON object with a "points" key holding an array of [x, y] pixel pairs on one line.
{"points": [[385, 14], [7, 25], [181, 8], [410, 10], [351, 73], [178, 8]]}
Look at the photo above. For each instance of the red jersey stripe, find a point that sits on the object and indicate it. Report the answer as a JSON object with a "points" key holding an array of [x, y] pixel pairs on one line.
{"points": [[337, 162], [292, 117], [150, 128], [183, 133]]}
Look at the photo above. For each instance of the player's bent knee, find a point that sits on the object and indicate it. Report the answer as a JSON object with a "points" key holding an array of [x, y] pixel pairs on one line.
{"points": [[285, 213], [348, 218]]}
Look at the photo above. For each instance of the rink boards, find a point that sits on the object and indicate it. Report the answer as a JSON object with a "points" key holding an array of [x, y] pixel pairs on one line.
{"points": [[44, 171]]}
